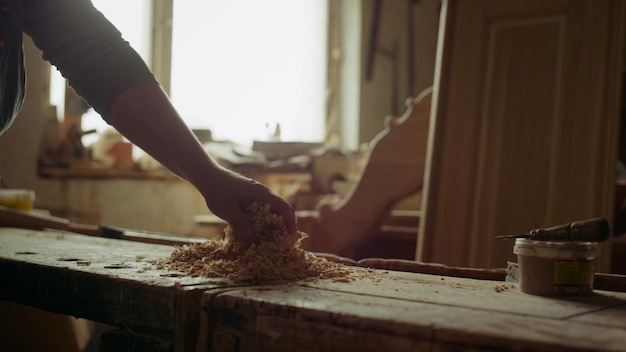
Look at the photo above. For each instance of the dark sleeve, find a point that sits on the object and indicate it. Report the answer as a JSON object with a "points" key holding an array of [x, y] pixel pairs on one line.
{"points": [[87, 49]]}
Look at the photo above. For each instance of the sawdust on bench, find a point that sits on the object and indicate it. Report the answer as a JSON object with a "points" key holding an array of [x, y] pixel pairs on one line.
{"points": [[272, 255]]}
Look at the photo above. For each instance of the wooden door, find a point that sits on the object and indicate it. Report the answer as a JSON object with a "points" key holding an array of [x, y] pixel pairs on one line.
{"points": [[525, 120]]}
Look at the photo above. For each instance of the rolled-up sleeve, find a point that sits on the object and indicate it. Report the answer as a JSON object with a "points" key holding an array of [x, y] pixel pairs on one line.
{"points": [[88, 50]]}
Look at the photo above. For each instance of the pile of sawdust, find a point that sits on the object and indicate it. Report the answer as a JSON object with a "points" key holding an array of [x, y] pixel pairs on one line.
{"points": [[272, 255]]}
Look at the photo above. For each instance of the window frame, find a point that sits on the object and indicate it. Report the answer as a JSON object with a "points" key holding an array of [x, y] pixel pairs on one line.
{"points": [[161, 41]]}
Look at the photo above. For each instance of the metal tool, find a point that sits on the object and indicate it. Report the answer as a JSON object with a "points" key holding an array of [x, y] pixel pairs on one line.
{"points": [[591, 230]]}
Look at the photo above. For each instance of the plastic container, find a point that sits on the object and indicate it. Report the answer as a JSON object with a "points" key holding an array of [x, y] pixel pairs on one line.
{"points": [[555, 268], [21, 199]]}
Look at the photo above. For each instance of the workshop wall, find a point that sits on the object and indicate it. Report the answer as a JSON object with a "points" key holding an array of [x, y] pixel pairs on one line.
{"points": [[399, 42]]}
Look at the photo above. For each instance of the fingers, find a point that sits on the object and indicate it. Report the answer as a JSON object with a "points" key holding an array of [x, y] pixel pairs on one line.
{"points": [[289, 216], [281, 207], [278, 205], [240, 228], [237, 194], [244, 231]]}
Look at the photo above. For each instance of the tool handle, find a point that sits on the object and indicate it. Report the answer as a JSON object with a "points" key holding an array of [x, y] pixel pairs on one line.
{"points": [[591, 230]]}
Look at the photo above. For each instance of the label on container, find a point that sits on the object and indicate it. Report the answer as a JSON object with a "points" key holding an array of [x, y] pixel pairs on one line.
{"points": [[573, 276]]}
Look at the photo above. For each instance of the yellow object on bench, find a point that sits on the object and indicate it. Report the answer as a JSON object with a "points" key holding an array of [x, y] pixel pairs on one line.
{"points": [[21, 199]]}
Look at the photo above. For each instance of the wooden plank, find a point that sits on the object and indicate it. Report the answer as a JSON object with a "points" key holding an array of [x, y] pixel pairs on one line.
{"points": [[602, 281], [105, 280], [432, 268], [610, 282], [114, 282], [110, 258], [613, 317], [444, 315], [469, 293], [89, 172], [31, 219], [41, 221]]}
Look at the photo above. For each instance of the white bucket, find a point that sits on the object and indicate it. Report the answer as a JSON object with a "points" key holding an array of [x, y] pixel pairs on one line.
{"points": [[555, 268]]}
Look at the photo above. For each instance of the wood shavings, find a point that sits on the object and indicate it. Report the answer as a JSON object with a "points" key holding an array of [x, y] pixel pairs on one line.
{"points": [[272, 255], [503, 287], [144, 268]]}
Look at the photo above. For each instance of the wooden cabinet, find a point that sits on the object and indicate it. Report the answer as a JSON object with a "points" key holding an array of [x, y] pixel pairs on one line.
{"points": [[525, 123]]}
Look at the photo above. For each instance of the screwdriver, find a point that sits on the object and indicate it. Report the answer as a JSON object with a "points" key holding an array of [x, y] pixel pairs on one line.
{"points": [[591, 230]]}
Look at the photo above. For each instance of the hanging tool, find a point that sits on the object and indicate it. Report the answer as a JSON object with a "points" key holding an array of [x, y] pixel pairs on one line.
{"points": [[591, 230]]}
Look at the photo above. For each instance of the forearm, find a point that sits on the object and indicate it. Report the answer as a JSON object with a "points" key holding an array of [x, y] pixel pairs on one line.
{"points": [[144, 115]]}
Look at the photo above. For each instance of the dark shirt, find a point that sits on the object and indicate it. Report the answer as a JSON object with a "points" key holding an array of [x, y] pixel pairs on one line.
{"points": [[12, 79], [88, 50]]}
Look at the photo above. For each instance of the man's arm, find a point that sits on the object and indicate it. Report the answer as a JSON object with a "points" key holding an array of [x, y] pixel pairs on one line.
{"points": [[145, 116], [111, 76]]}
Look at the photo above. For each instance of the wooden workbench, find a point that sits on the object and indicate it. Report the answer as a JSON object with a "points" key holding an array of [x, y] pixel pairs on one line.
{"points": [[112, 281]]}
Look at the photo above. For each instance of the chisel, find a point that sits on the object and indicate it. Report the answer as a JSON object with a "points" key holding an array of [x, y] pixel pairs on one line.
{"points": [[591, 230]]}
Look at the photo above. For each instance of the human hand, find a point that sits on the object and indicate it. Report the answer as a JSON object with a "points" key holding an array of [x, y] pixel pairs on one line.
{"points": [[229, 194]]}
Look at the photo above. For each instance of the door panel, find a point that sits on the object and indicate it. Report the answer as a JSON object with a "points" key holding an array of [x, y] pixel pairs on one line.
{"points": [[525, 117]]}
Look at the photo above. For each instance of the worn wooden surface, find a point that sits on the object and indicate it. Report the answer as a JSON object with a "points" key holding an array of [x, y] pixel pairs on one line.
{"points": [[115, 282], [392, 311], [105, 280]]}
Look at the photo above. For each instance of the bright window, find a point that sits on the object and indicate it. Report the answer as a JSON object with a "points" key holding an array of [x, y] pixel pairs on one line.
{"points": [[240, 67]]}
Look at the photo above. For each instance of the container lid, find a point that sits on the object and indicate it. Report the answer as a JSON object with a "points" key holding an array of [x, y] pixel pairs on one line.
{"points": [[556, 250], [16, 193]]}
